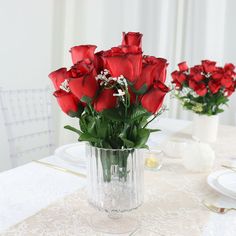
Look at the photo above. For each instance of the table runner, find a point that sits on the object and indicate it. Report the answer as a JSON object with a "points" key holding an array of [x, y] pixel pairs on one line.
{"points": [[172, 202]]}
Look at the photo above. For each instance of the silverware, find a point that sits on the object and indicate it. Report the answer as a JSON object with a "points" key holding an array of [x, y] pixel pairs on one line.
{"points": [[220, 210], [229, 167], [59, 168]]}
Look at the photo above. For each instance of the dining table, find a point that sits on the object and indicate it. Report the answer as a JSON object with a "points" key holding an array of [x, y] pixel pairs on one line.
{"points": [[37, 199]]}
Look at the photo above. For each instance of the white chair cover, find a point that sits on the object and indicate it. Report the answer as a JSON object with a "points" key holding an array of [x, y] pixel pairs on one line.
{"points": [[27, 118]]}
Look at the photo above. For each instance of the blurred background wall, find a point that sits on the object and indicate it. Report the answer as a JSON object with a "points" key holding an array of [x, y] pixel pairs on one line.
{"points": [[36, 36]]}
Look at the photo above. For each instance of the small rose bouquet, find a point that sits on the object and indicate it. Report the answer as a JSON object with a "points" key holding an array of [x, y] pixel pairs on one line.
{"points": [[114, 93], [204, 88]]}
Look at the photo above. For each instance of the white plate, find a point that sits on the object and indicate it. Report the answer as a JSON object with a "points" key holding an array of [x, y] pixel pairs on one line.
{"points": [[212, 181], [73, 153], [228, 182]]}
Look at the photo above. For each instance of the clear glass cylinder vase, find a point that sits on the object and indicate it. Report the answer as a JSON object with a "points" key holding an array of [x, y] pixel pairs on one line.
{"points": [[115, 179]]}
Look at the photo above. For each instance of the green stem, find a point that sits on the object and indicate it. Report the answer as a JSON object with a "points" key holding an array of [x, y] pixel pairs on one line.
{"points": [[154, 117]]}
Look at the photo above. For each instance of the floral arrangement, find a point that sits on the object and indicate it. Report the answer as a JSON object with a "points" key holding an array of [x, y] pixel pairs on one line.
{"points": [[114, 93], [204, 88]]}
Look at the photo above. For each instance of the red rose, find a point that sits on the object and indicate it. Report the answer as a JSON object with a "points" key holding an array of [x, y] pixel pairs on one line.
{"points": [[98, 61], [153, 69], [67, 101], [200, 88], [225, 75], [178, 85], [81, 68], [82, 52], [105, 100], [229, 67], [196, 73], [57, 77], [126, 61], [183, 66], [218, 73], [227, 81], [178, 76], [209, 66], [82, 82], [214, 86], [192, 84], [84, 87], [153, 99], [230, 90], [132, 38]]}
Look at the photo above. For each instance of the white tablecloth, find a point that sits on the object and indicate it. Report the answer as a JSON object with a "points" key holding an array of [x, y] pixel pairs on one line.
{"points": [[28, 189]]}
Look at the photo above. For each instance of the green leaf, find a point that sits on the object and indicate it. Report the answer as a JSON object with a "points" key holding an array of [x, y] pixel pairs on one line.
{"points": [[145, 146], [101, 128], [112, 114], [91, 127], [134, 132], [86, 99], [128, 143], [138, 112], [142, 137], [88, 137], [154, 130], [142, 90], [73, 129]]}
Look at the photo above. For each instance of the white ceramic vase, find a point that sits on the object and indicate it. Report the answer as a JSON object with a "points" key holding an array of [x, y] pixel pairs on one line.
{"points": [[205, 128]]}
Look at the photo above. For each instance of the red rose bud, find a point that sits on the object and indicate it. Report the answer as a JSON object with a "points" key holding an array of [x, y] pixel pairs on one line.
{"points": [[178, 76], [227, 81], [209, 66], [58, 77], [132, 38], [67, 101], [229, 67], [196, 73], [214, 86], [160, 69], [81, 68], [161, 86], [153, 69], [192, 84], [183, 66], [201, 89], [198, 77], [178, 85], [152, 101], [229, 91], [105, 100], [175, 75], [84, 88], [127, 64], [82, 52], [218, 74], [98, 62]]}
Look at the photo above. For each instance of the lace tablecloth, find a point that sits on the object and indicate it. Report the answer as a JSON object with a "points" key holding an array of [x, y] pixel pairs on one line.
{"points": [[172, 205]]}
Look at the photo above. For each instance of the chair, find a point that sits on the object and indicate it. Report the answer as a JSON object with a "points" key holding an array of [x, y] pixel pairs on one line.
{"points": [[27, 118]]}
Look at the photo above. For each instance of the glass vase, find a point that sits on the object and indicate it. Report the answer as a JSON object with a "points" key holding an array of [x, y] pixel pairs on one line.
{"points": [[115, 185]]}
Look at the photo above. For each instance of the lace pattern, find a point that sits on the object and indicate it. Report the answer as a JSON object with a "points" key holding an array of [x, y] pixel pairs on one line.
{"points": [[172, 204]]}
